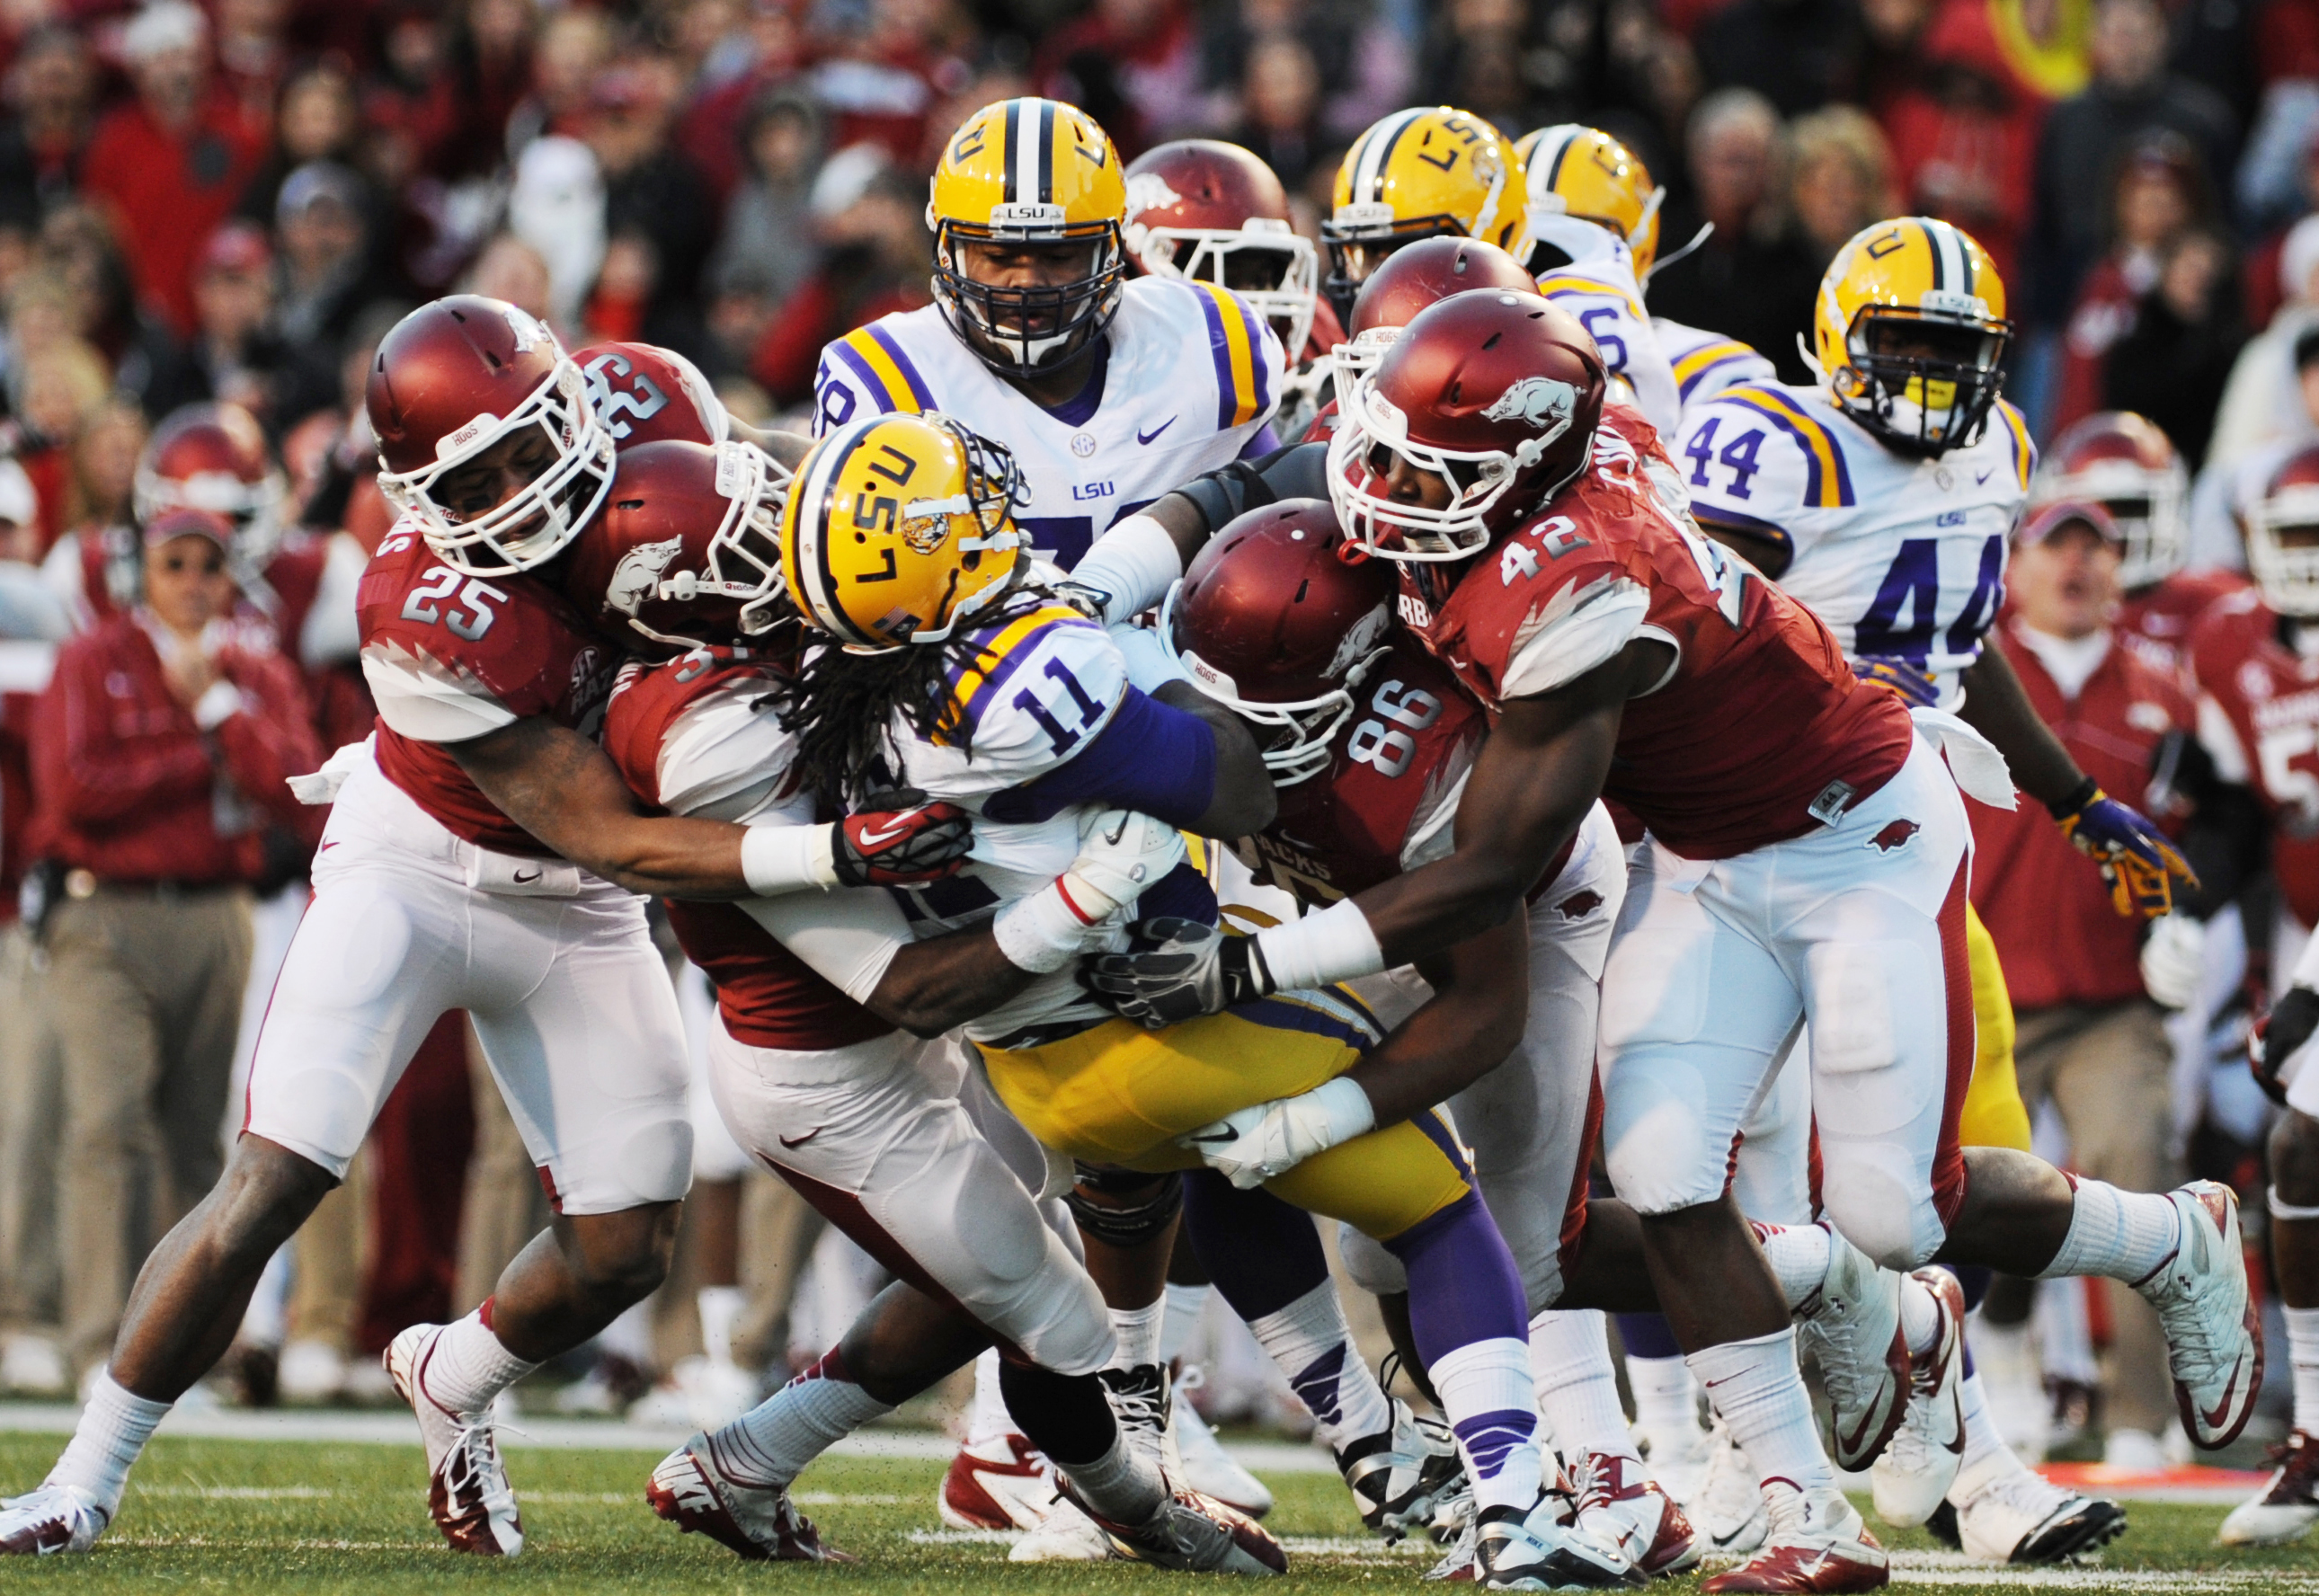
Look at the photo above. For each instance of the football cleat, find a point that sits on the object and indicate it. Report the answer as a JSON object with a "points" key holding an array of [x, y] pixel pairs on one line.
{"points": [[1005, 1483], [1920, 1463], [467, 1491], [1141, 1401], [759, 1522], [1455, 1524], [1195, 1533], [2018, 1516], [1817, 1542], [1398, 1476], [2287, 1506], [1620, 1505], [1207, 1467], [52, 1518], [1851, 1325], [1066, 1534], [1726, 1512], [1534, 1551], [2214, 1344]]}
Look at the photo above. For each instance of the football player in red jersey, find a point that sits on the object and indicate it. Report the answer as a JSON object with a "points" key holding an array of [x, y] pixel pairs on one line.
{"points": [[2254, 656], [2121, 461], [815, 1067], [1203, 209], [1807, 867], [481, 859]]}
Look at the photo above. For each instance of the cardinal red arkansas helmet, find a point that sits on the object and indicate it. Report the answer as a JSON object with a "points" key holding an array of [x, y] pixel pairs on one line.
{"points": [[1211, 211], [1410, 279], [213, 457], [2125, 463], [2282, 536]]}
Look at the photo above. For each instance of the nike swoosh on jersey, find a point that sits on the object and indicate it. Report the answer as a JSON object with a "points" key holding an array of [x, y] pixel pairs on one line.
{"points": [[1984, 476], [523, 881], [1145, 438], [795, 1141]]}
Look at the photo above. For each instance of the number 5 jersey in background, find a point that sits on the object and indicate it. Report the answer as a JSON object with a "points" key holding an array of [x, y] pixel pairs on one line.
{"points": [[1904, 558]]}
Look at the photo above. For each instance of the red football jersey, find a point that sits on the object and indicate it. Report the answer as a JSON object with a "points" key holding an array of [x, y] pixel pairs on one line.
{"points": [[766, 995], [2267, 733], [1761, 721], [644, 393], [2156, 622], [451, 657]]}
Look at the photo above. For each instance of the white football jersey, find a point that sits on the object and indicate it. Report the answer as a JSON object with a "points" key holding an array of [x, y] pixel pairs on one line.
{"points": [[1706, 363], [1045, 680], [1598, 286], [1904, 558], [1185, 378]]}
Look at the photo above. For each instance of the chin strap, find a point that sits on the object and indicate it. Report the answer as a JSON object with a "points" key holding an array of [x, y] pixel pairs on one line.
{"points": [[1697, 242]]}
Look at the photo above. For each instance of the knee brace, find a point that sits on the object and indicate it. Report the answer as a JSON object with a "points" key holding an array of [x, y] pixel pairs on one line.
{"points": [[1140, 1210]]}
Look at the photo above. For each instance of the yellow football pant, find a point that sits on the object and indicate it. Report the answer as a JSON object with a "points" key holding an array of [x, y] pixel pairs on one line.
{"points": [[1993, 1114], [1120, 1095]]}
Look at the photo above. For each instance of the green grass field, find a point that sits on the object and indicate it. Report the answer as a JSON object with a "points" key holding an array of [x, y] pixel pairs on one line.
{"points": [[251, 1518]]}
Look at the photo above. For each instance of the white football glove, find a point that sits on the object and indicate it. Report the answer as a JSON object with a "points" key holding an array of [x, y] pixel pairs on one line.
{"points": [[1121, 853], [2174, 960], [1253, 1145]]}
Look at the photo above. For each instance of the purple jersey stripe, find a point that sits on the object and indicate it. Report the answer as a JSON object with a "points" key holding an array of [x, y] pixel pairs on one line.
{"points": [[871, 380], [1220, 351]]}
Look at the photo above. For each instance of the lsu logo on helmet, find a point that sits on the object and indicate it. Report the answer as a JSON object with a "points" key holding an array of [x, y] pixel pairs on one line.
{"points": [[1418, 173], [898, 527]]}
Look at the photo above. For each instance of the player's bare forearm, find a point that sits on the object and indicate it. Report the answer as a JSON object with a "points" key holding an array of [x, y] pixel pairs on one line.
{"points": [[563, 789], [1244, 801], [1766, 554], [1997, 708], [1475, 1018], [1538, 773], [935, 986]]}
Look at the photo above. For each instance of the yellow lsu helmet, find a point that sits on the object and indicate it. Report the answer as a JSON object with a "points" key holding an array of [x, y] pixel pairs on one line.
{"points": [[1908, 331], [1584, 173], [1029, 171], [1418, 173], [897, 528]]}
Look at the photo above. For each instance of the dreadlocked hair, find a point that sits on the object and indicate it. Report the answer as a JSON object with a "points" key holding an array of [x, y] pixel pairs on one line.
{"points": [[841, 710]]}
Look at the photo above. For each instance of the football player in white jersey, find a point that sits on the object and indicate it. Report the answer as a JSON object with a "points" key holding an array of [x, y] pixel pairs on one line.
{"points": [[1590, 238], [1882, 496], [1706, 363], [1109, 390]]}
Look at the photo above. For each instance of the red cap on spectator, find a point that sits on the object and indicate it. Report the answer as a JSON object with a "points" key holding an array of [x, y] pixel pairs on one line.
{"points": [[237, 247], [182, 522], [2068, 512]]}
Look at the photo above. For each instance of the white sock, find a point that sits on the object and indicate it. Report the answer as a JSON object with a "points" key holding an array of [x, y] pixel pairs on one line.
{"points": [[1123, 1484], [1490, 1399], [112, 1430], [1800, 1257], [2303, 1353], [1755, 1388], [988, 1419], [2125, 1235], [1920, 1316], [1185, 1303], [770, 1445], [720, 1309], [1311, 1344], [630, 1335], [1666, 1401], [1986, 1456], [1577, 1389], [469, 1366], [1137, 1330]]}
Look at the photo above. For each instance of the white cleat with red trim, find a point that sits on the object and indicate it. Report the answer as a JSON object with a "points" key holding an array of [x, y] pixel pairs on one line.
{"points": [[1852, 1327], [759, 1522], [1621, 1505], [467, 1490], [1004, 1483], [49, 1519], [1921, 1462], [2214, 1344], [1818, 1542]]}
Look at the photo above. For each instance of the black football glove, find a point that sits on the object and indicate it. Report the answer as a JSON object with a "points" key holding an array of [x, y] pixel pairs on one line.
{"points": [[1177, 970], [2279, 1036], [898, 837]]}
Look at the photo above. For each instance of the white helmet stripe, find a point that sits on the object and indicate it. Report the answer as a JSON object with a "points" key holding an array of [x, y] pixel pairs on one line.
{"points": [[1032, 136], [1368, 177], [813, 528]]}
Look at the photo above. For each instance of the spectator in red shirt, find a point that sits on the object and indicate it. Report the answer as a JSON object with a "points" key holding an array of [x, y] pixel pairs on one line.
{"points": [[160, 754], [171, 162], [2088, 1034]]}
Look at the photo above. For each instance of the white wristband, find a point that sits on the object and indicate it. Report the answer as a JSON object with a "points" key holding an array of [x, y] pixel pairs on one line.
{"points": [[1347, 1109], [217, 704], [1133, 564], [1333, 946], [1046, 931], [778, 859]]}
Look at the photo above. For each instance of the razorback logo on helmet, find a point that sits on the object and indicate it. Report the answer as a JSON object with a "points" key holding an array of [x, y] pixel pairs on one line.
{"points": [[1895, 835], [1147, 191], [638, 573], [1537, 401]]}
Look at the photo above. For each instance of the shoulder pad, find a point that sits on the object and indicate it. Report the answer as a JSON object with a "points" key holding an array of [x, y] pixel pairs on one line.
{"points": [[1034, 689], [1754, 453]]}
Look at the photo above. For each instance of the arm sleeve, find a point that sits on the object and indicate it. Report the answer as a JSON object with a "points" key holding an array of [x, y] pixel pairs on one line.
{"points": [[1150, 757], [1575, 631], [83, 769], [850, 937], [723, 758]]}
